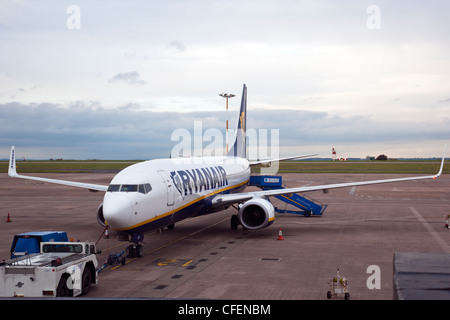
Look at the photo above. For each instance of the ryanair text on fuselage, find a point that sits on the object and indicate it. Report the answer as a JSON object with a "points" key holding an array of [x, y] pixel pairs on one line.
{"points": [[198, 180]]}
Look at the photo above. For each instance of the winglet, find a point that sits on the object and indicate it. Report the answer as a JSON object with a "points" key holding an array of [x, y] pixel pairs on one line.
{"points": [[12, 164], [442, 164]]}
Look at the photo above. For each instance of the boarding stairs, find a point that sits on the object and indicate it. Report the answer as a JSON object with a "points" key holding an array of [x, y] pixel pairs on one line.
{"points": [[306, 205]]}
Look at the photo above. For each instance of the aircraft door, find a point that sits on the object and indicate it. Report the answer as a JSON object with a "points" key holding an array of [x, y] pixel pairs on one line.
{"points": [[169, 186]]}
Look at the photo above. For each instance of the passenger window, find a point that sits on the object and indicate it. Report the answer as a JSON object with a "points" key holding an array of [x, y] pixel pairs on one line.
{"points": [[142, 189]]}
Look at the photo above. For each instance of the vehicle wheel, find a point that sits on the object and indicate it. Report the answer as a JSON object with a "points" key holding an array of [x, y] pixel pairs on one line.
{"points": [[139, 251], [62, 290], [347, 296], [171, 226], [86, 281], [123, 261], [329, 294], [131, 251], [234, 222]]}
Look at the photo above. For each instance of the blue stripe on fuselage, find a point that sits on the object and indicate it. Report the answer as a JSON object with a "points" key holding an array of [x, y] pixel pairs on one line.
{"points": [[197, 207]]}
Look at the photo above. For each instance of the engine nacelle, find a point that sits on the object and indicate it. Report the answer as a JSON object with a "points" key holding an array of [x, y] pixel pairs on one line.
{"points": [[256, 214], [100, 217]]}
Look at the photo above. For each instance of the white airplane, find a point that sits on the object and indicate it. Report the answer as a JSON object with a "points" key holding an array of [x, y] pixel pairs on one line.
{"points": [[158, 193]]}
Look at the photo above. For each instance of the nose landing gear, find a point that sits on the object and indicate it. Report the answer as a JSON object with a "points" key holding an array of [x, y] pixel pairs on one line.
{"points": [[136, 250]]}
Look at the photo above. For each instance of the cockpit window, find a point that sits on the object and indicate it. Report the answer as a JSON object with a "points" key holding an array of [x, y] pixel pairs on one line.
{"points": [[145, 188], [129, 188], [114, 188], [142, 188]]}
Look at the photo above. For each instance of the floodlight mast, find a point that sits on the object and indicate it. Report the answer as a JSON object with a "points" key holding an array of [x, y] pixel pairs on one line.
{"points": [[227, 96]]}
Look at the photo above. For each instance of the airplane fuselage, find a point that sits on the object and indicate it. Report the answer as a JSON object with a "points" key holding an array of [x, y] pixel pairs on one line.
{"points": [[157, 193]]}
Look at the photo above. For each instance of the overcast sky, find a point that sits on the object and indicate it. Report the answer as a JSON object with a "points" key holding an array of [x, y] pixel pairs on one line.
{"points": [[114, 79]]}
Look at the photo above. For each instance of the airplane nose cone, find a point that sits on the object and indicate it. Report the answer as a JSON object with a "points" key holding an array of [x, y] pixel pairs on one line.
{"points": [[117, 210]]}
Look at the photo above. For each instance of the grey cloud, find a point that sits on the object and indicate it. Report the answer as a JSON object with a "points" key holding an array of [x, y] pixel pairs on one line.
{"points": [[130, 132], [444, 101], [131, 78], [176, 45], [299, 127], [120, 133]]}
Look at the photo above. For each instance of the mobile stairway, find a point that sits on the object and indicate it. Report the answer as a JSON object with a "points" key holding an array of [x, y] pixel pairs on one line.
{"points": [[306, 205]]}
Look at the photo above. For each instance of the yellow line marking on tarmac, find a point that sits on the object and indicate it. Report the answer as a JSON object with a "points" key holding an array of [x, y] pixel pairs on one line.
{"points": [[152, 232], [187, 263], [173, 242]]}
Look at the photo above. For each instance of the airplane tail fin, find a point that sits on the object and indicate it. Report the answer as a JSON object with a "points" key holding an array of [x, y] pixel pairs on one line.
{"points": [[12, 163], [239, 146]]}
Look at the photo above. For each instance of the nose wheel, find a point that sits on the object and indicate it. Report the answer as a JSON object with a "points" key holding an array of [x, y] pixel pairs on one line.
{"points": [[135, 250]]}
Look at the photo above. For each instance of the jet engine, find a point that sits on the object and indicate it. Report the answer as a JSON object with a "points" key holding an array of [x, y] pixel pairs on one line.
{"points": [[256, 214], [100, 217]]}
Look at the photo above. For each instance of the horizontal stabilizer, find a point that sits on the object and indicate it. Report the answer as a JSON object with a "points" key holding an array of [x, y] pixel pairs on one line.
{"points": [[254, 163]]}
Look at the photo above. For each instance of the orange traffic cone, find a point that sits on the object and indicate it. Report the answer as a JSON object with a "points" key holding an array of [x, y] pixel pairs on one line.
{"points": [[8, 219], [280, 235]]}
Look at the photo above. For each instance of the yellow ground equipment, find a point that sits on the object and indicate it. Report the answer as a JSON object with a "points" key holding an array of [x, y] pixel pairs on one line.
{"points": [[338, 287]]}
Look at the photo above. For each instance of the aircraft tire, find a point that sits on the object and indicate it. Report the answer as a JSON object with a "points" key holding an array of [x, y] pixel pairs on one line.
{"points": [[139, 251], [234, 222], [131, 251]]}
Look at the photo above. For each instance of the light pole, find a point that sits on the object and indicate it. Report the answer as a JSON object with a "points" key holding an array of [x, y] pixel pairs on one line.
{"points": [[226, 96]]}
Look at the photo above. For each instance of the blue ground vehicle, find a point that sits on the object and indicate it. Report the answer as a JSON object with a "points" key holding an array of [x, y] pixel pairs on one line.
{"points": [[29, 242]]}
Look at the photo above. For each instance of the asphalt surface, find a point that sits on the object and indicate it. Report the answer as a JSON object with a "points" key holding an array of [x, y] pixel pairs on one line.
{"points": [[202, 258]]}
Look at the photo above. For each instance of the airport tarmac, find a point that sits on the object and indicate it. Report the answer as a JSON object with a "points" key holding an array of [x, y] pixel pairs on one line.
{"points": [[202, 258]]}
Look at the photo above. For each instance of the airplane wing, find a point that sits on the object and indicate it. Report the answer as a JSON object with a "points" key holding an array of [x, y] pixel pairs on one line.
{"points": [[12, 173], [253, 163], [240, 197]]}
